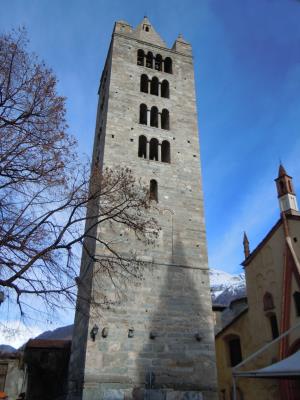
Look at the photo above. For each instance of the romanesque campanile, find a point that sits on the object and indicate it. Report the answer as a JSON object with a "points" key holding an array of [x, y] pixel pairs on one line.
{"points": [[158, 343]]}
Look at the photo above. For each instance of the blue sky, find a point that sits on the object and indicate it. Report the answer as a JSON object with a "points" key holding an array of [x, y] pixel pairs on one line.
{"points": [[247, 68]]}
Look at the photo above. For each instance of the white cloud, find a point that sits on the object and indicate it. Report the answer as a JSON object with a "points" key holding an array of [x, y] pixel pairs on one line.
{"points": [[15, 333]]}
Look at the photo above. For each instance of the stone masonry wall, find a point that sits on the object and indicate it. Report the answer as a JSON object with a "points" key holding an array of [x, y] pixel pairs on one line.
{"points": [[169, 313]]}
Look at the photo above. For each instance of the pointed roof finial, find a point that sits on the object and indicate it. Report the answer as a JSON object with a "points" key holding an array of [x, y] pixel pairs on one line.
{"points": [[246, 246], [281, 171]]}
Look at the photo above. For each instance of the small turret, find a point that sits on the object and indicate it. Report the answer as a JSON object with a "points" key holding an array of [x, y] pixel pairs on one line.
{"points": [[182, 46], [286, 194], [246, 246]]}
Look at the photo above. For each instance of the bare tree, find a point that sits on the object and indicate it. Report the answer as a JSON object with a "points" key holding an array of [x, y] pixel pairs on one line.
{"points": [[45, 193]]}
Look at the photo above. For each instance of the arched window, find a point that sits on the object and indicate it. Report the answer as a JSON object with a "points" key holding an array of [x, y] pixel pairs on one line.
{"points": [[149, 60], [165, 152], [153, 194], [165, 92], [140, 57], [154, 86], [158, 62], [142, 152], [268, 301], [153, 149], [144, 83], [168, 65], [154, 116], [290, 186], [296, 296], [143, 114], [234, 350], [273, 325], [282, 186], [165, 123]]}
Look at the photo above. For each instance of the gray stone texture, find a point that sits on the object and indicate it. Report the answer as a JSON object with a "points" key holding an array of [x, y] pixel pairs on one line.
{"points": [[173, 300]]}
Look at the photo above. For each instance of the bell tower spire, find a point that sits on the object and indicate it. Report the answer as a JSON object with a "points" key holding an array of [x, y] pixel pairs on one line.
{"points": [[285, 189], [246, 245]]}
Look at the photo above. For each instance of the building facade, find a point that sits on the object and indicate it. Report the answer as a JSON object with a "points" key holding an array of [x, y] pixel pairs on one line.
{"points": [[157, 343], [272, 272]]}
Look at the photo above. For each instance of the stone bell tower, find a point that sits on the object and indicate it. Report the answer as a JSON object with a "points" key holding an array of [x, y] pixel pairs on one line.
{"points": [[159, 342]]}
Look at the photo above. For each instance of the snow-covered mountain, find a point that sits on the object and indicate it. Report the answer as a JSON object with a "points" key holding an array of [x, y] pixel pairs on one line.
{"points": [[225, 287]]}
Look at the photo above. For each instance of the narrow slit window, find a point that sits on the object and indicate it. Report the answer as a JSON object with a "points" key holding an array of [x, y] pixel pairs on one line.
{"points": [[296, 296], [153, 195], [143, 114], [274, 326]]}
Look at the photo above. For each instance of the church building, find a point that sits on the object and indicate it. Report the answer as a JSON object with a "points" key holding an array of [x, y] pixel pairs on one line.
{"points": [[272, 272], [158, 343]]}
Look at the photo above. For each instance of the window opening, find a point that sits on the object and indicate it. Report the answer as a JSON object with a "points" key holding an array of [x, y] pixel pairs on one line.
{"points": [[154, 86], [235, 351], [282, 187], [149, 60], [165, 89], [144, 83], [143, 114], [168, 65], [142, 152], [268, 302], [165, 123], [158, 62], [153, 149], [274, 326], [154, 117], [296, 296], [153, 195], [140, 57], [165, 152]]}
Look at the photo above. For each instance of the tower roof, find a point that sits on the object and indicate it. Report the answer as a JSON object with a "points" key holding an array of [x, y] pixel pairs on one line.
{"points": [[145, 31], [281, 171], [245, 238]]}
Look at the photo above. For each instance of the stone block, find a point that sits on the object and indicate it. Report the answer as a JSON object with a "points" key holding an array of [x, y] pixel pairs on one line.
{"points": [[154, 394], [176, 395], [113, 394]]}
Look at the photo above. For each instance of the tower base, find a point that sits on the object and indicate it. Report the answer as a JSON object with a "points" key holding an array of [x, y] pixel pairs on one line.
{"points": [[145, 394]]}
